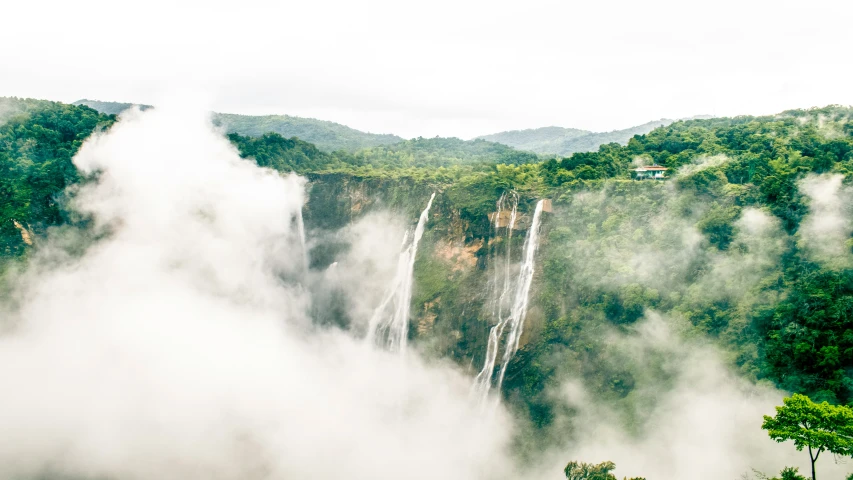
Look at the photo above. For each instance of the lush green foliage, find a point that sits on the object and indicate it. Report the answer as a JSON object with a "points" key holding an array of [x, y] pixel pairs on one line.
{"points": [[587, 471], [36, 146], [810, 333], [284, 154], [781, 314], [688, 248], [11, 107], [442, 152], [791, 473], [819, 427], [787, 473]]}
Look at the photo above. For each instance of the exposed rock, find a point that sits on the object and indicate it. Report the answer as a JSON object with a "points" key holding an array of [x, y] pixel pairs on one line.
{"points": [[461, 256], [26, 235]]}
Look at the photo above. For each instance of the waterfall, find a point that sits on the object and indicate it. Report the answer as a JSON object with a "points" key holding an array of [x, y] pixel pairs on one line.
{"points": [[389, 326], [516, 294], [300, 229], [482, 383]]}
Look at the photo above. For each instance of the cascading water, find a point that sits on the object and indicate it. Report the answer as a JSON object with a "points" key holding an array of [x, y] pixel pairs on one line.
{"points": [[513, 318], [389, 326], [482, 383], [300, 228]]}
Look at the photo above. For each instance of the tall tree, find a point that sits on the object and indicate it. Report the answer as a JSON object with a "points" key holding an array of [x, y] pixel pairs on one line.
{"points": [[820, 427]]}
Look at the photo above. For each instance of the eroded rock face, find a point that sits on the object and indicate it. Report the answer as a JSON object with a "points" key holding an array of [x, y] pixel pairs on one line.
{"points": [[462, 256], [26, 235]]}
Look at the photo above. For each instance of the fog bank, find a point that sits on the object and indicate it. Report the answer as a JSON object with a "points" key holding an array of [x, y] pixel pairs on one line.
{"points": [[178, 345]]}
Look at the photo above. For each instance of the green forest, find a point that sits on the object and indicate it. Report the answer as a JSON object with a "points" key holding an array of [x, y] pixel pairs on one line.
{"points": [[327, 136], [730, 241]]}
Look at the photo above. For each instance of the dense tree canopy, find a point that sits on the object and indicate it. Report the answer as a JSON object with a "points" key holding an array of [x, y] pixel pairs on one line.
{"points": [[284, 154], [588, 471], [37, 143], [327, 136]]}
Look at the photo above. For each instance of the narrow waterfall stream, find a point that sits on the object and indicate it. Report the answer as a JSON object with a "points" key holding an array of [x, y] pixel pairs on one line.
{"points": [[389, 326], [515, 294]]}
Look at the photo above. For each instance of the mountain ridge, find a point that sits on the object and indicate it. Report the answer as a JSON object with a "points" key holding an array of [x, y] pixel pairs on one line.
{"points": [[566, 141], [326, 135], [330, 136]]}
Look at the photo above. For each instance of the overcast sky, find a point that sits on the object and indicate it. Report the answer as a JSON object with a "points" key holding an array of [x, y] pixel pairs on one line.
{"points": [[438, 67]]}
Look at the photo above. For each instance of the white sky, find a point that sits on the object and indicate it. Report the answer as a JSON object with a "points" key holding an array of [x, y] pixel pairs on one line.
{"points": [[438, 67]]}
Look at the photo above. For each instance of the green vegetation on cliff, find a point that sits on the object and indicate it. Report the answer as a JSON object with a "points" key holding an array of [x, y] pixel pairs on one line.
{"points": [[37, 141], [719, 245], [284, 154]]}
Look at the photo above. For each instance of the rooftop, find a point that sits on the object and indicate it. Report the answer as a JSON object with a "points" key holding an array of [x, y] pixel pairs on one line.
{"points": [[653, 168]]}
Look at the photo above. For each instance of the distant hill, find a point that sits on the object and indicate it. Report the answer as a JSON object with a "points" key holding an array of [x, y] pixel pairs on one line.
{"points": [[108, 108], [566, 141], [442, 152], [540, 140], [591, 142], [327, 136]]}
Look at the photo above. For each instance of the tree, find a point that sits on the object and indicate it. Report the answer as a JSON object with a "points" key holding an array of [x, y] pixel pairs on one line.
{"points": [[588, 471], [820, 427], [791, 473], [788, 473]]}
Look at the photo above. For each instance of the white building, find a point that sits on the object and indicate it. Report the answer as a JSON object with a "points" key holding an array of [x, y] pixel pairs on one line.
{"points": [[653, 172]]}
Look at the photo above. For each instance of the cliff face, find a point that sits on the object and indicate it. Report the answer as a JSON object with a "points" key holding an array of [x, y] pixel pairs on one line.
{"points": [[455, 266], [606, 259]]}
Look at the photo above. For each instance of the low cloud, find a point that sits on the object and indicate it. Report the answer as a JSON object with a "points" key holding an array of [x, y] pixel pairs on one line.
{"points": [[364, 270], [615, 243], [701, 162], [179, 345], [696, 419], [754, 253], [825, 231]]}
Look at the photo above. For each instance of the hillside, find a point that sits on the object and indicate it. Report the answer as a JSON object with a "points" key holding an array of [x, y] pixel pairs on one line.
{"points": [[733, 249], [327, 136], [566, 141], [13, 106], [37, 142]]}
